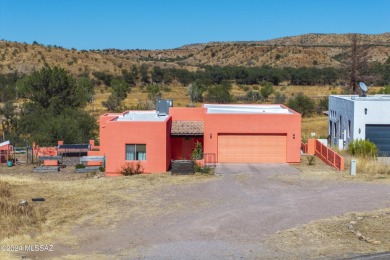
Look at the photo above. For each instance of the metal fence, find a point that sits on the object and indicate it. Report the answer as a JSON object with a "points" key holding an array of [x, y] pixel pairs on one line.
{"points": [[329, 156]]}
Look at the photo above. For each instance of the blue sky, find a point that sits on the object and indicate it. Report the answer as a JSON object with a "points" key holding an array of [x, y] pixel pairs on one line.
{"points": [[153, 24]]}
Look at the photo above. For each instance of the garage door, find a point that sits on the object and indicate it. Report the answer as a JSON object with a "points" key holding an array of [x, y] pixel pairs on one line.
{"points": [[252, 148], [379, 135]]}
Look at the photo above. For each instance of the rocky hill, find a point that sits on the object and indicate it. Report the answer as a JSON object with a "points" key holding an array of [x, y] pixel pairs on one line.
{"points": [[320, 50]]}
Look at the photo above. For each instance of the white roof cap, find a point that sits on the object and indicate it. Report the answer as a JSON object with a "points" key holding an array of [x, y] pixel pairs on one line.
{"points": [[367, 98], [246, 109], [145, 116], [4, 143]]}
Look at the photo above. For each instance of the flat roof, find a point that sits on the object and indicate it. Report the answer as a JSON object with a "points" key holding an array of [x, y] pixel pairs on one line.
{"points": [[354, 98], [246, 109], [145, 116]]}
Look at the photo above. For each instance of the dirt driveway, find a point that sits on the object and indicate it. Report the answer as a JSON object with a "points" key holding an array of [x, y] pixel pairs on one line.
{"points": [[226, 217], [253, 168]]}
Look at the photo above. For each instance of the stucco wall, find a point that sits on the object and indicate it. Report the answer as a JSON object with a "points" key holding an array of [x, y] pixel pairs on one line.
{"points": [[115, 135], [377, 113], [289, 124], [360, 111], [187, 113], [182, 147], [161, 147], [344, 108]]}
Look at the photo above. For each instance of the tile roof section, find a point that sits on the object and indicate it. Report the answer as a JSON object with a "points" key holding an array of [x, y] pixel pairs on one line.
{"points": [[187, 128]]}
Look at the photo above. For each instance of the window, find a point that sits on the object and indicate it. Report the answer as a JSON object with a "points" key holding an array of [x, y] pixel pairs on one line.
{"points": [[136, 152], [349, 128], [335, 130], [340, 128]]}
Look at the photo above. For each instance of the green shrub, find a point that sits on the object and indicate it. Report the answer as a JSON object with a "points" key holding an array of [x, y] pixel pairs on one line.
{"points": [[206, 170], [302, 104], [385, 90], [280, 98], [79, 166], [202, 169], [197, 153], [197, 167], [362, 148], [311, 160], [131, 168], [266, 90]]}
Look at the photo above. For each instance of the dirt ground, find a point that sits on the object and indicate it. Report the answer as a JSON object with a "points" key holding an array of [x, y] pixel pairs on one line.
{"points": [[311, 213]]}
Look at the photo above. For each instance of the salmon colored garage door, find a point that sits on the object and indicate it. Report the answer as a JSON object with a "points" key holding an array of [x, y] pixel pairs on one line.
{"points": [[252, 148]]}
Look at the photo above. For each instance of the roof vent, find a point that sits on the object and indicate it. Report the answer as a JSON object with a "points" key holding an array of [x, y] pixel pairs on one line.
{"points": [[162, 106]]}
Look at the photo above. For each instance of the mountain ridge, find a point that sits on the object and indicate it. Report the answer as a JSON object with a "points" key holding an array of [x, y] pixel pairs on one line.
{"points": [[307, 50]]}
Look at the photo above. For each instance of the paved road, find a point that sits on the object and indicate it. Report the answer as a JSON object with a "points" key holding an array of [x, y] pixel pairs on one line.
{"points": [[228, 217]]}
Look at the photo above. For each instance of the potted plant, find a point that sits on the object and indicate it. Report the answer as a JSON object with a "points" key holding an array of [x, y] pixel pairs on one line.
{"points": [[197, 154]]}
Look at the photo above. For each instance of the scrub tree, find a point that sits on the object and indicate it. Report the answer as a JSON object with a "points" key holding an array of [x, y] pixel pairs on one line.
{"points": [[356, 63], [302, 104], [55, 108], [219, 93], [266, 90]]}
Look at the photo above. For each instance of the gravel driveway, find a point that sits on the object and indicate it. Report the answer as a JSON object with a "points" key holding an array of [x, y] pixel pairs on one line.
{"points": [[227, 218]]}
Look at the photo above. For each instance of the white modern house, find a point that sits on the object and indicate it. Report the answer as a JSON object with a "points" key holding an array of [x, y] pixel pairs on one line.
{"points": [[355, 117]]}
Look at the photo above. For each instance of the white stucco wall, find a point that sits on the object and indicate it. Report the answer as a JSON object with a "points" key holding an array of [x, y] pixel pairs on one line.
{"points": [[354, 108], [345, 108], [377, 113]]}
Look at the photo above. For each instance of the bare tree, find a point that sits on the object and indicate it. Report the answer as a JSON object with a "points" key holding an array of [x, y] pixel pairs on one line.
{"points": [[356, 64]]}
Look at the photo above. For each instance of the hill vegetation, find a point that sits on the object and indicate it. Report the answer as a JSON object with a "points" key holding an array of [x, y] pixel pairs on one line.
{"points": [[51, 82], [310, 50]]}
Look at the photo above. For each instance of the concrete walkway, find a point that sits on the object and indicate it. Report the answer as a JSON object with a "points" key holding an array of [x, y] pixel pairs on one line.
{"points": [[253, 168]]}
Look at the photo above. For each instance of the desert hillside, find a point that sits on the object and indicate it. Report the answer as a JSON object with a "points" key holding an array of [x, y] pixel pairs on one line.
{"points": [[319, 50]]}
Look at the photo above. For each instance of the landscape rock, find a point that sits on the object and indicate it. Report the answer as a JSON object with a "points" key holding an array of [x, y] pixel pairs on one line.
{"points": [[376, 242], [23, 203], [360, 218], [352, 222]]}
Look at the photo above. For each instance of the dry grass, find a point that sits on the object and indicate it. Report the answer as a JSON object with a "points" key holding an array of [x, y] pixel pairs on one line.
{"points": [[315, 124], [369, 166], [335, 237], [315, 92], [73, 202], [179, 94], [367, 171], [16, 219]]}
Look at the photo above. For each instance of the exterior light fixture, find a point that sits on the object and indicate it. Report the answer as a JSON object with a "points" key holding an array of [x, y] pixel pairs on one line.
{"points": [[293, 136], [211, 135]]}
